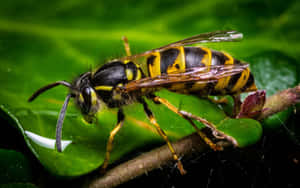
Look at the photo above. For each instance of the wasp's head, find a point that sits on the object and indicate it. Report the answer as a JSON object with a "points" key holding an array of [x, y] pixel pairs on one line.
{"points": [[86, 97], [88, 102]]}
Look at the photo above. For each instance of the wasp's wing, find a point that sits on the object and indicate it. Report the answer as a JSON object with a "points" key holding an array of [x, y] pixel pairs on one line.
{"points": [[205, 74], [217, 36]]}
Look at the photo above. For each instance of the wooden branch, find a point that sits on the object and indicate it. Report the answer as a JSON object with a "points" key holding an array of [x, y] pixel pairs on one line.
{"points": [[189, 144], [280, 101], [147, 162]]}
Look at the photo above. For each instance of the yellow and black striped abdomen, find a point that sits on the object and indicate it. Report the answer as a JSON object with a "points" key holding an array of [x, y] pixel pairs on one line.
{"points": [[182, 58], [166, 61]]}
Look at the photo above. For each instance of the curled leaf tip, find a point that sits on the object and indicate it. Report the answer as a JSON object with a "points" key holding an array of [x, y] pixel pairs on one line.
{"points": [[253, 105]]}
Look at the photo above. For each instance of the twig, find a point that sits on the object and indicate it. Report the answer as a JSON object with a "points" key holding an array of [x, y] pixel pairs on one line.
{"points": [[280, 101], [146, 162], [160, 156]]}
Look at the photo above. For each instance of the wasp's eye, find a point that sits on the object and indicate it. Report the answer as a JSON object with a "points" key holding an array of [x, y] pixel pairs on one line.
{"points": [[86, 93], [84, 100], [88, 101]]}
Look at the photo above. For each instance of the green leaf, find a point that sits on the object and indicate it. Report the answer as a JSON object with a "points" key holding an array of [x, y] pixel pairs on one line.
{"points": [[42, 42], [274, 71], [86, 143], [244, 131]]}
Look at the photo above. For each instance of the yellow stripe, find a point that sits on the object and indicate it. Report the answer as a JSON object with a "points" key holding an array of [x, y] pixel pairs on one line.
{"points": [[137, 65], [154, 69], [81, 98], [177, 87], [242, 80], [223, 82], [179, 63], [129, 74], [126, 61], [94, 97], [206, 60], [120, 85], [130, 60], [198, 86], [251, 88], [138, 74], [104, 88]]}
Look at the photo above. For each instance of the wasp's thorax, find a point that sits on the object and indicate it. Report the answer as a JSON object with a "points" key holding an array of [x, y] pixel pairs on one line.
{"points": [[85, 96], [107, 79]]}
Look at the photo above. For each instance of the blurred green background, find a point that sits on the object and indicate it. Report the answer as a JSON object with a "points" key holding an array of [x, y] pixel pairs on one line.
{"points": [[45, 41]]}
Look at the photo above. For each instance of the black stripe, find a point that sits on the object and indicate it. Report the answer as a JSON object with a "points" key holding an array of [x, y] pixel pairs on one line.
{"points": [[218, 58], [193, 57], [167, 58], [210, 88], [108, 65], [150, 61], [142, 73], [168, 86], [233, 80], [237, 62], [132, 66], [110, 76], [249, 83], [189, 85]]}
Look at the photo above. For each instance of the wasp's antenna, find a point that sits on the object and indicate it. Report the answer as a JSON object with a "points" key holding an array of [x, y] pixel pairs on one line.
{"points": [[60, 121], [49, 86]]}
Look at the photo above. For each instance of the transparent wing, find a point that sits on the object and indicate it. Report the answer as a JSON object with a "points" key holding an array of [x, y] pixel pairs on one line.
{"points": [[197, 74], [217, 36]]}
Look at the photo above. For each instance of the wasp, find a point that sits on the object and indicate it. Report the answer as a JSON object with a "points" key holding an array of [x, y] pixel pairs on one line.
{"points": [[177, 67]]}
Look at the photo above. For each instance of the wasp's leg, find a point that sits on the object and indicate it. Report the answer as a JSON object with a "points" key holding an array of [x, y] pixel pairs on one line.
{"points": [[163, 135], [190, 116], [109, 144], [237, 104], [126, 45]]}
